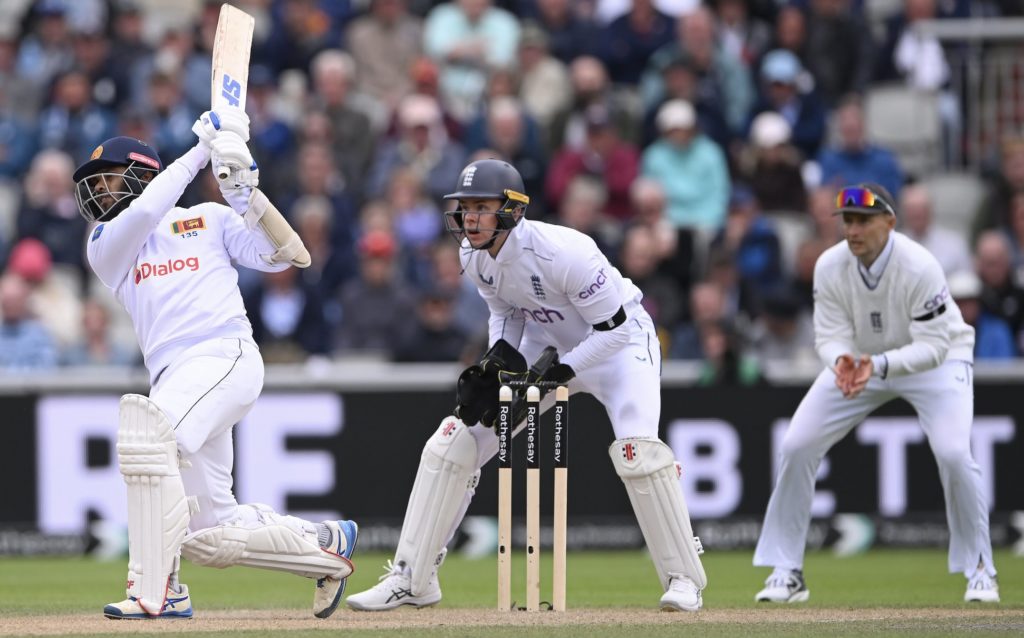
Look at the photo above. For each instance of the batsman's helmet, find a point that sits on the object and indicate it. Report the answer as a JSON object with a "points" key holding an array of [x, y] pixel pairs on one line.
{"points": [[489, 179], [101, 193]]}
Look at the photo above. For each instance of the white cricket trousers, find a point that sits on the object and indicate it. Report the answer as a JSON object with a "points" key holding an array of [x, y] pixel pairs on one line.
{"points": [[204, 392], [944, 401]]}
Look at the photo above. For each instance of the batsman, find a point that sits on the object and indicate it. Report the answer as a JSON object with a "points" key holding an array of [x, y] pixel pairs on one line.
{"points": [[545, 285], [172, 269]]}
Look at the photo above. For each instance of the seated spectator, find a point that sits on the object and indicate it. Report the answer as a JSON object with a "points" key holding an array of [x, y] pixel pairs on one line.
{"points": [[682, 80], [839, 50], [742, 35], [384, 42], [604, 156], [590, 85], [17, 144], [638, 261], [772, 165], [1001, 292], [707, 305], [917, 223], [582, 209], [854, 160], [55, 292], [802, 282], [508, 129], [434, 335], [784, 331], [417, 223], [821, 204], [48, 210], [470, 310], [287, 317], [631, 39], [170, 115], [993, 338], [725, 362], [376, 305], [690, 167], [25, 345], [1004, 183], [544, 88], [647, 199], [751, 238], [574, 32], [785, 90], [97, 348]]}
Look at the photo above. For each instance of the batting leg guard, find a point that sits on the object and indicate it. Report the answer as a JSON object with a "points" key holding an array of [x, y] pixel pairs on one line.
{"points": [[648, 469], [445, 481], [158, 511], [268, 540]]}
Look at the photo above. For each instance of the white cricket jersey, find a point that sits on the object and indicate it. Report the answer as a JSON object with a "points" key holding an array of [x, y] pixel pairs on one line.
{"points": [[909, 316], [555, 283], [171, 268]]}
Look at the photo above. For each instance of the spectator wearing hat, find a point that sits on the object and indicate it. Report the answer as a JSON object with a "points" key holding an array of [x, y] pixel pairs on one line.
{"points": [[544, 79], [384, 43], [690, 167], [604, 156], [787, 89], [916, 221], [993, 338], [421, 144], [854, 160], [375, 306], [433, 335], [25, 344], [773, 166]]}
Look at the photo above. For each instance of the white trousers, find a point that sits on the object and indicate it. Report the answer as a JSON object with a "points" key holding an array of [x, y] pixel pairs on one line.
{"points": [[944, 401], [204, 392]]}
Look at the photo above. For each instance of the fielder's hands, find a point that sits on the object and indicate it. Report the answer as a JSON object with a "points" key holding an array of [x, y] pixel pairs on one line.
{"points": [[546, 368], [852, 375], [231, 155], [225, 118]]}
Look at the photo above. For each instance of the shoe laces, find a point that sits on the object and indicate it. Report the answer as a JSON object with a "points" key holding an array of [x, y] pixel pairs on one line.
{"points": [[682, 584], [781, 578], [981, 580], [392, 569]]}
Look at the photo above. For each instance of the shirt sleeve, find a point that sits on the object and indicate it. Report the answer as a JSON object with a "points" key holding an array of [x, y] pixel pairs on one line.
{"points": [[246, 246], [595, 295], [114, 246], [929, 326], [833, 328]]}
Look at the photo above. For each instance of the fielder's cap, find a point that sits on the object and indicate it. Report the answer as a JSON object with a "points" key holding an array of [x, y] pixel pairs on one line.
{"points": [[770, 129], [31, 260], [781, 66], [964, 284], [676, 114], [377, 243], [868, 199], [120, 151]]}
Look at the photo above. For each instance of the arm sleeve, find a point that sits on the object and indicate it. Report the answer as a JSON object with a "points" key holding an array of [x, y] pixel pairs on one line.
{"points": [[113, 250], [246, 246], [833, 329], [594, 273], [929, 326]]}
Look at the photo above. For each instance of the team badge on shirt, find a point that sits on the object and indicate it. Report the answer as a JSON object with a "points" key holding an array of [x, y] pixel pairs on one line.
{"points": [[876, 321], [185, 225], [538, 289]]}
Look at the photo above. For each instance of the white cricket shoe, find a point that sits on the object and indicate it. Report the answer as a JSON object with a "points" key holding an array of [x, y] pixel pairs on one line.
{"points": [[682, 595], [982, 588], [784, 586], [395, 590], [327, 595], [176, 605]]}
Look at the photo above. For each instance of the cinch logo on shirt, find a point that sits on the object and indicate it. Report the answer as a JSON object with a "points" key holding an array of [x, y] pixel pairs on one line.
{"points": [[594, 287], [543, 315], [185, 225], [145, 270]]}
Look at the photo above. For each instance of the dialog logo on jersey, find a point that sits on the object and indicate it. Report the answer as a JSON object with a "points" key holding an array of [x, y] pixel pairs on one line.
{"points": [[599, 283], [146, 270], [185, 225]]}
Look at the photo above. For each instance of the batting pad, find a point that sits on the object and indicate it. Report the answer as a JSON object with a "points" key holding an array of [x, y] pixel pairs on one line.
{"points": [[447, 473], [157, 509], [648, 469], [268, 541]]}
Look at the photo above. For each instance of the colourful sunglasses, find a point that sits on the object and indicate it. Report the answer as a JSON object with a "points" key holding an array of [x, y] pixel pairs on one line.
{"points": [[860, 197]]}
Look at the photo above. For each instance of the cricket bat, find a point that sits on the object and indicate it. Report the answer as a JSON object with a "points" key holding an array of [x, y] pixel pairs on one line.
{"points": [[230, 63]]}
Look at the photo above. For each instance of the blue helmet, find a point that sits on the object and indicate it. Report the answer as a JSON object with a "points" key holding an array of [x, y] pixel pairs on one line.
{"points": [[489, 179], [102, 193]]}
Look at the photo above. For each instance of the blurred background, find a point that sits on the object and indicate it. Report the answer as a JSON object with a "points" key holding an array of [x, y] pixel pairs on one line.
{"points": [[699, 143]]}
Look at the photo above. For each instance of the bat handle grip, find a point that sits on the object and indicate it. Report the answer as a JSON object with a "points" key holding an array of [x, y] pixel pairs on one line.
{"points": [[223, 172]]}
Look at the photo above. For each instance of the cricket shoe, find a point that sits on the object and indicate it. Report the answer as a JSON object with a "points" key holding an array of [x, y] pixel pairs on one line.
{"points": [[784, 586], [395, 590], [682, 595], [327, 595], [176, 605], [982, 588]]}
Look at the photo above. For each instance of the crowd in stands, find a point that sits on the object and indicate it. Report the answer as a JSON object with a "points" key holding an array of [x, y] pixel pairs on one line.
{"points": [[699, 144]]}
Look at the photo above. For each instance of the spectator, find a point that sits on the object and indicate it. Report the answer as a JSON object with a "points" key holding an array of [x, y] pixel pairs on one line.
{"points": [[917, 223], [690, 167], [1005, 183], [434, 335], [471, 311], [1001, 293], [802, 283], [96, 347], [466, 38], [384, 43], [287, 317], [725, 362], [582, 209], [72, 122], [784, 331], [993, 338], [46, 49], [638, 261], [682, 80], [545, 88], [750, 237], [271, 141], [109, 78], [54, 293], [25, 345], [573, 32], [28, 90], [854, 160], [742, 36], [48, 210], [417, 223], [171, 115], [840, 50], [375, 306], [590, 86], [647, 199], [329, 268], [707, 305], [17, 143], [773, 165], [301, 29], [604, 156], [508, 129], [821, 203], [784, 91], [631, 39]]}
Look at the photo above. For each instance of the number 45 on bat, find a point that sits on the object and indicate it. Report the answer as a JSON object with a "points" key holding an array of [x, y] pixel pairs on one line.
{"points": [[230, 64]]}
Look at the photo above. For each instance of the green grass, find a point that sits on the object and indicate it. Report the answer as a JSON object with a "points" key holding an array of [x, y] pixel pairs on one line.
{"points": [[880, 579]]}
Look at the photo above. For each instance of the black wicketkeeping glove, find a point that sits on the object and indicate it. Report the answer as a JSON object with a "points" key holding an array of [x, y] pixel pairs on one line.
{"points": [[476, 393], [546, 368]]}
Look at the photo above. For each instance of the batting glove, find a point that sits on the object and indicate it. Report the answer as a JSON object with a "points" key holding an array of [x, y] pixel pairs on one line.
{"points": [[225, 118], [235, 170]]}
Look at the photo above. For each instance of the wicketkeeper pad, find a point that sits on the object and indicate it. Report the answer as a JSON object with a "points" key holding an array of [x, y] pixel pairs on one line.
{"points": [[158, 512], [447, 472], [648, 469]]}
